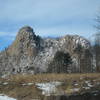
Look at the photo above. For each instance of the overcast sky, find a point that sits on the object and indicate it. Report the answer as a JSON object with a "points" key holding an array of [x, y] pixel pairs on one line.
{"points": [[47, 17]]}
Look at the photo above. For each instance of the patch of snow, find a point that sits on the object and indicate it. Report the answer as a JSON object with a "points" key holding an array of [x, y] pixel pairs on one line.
{"points": [[6, 83], [4, 97], [90, 85], [48, 88], [95, 94], [86, 88], [75, 89], [29, 84], [81, 78], [87, 82], [24, 84], [4, 76], [76, 84]]}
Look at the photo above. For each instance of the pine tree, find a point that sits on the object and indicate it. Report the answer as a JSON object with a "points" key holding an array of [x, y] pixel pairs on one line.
{"points": [[60, 63]]}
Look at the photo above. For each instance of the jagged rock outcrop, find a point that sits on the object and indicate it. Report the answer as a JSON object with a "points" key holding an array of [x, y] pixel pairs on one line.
{"points": [[32, 54]]}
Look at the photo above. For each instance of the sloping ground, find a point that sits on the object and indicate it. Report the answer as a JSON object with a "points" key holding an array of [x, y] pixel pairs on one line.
{"points": [[26, 87]]}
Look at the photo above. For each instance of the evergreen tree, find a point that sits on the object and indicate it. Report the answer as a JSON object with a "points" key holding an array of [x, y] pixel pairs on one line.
{"points": [[60, 63]]}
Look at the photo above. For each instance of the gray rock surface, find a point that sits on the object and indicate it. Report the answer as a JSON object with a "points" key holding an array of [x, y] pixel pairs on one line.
{"points": [[30, 53]]}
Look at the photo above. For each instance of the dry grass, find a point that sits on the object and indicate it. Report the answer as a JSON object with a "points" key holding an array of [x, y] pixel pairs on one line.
{"points": [[15, 88], [19, 78]]}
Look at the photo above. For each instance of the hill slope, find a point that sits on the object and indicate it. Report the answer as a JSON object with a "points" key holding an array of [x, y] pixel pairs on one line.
{"points": [[30, 53]]}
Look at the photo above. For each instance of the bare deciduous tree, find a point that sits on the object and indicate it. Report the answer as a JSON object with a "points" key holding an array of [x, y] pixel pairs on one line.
{"points": [[97, 44], [97, 51], [98, 22]]}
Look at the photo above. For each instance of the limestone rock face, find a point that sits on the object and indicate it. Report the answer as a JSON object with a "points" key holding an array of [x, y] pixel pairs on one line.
{"points": [[25, 43], [32, 54]]}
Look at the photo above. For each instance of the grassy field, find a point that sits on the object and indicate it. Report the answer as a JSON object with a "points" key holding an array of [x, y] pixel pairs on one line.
{"points": [[23, 87], [19, 78]]}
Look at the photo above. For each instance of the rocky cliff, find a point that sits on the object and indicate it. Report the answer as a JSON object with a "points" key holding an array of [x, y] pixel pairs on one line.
{"points": [[30, 53]]}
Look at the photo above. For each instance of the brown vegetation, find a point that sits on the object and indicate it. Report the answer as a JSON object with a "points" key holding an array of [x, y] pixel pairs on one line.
{"points": [[17, 87]]}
